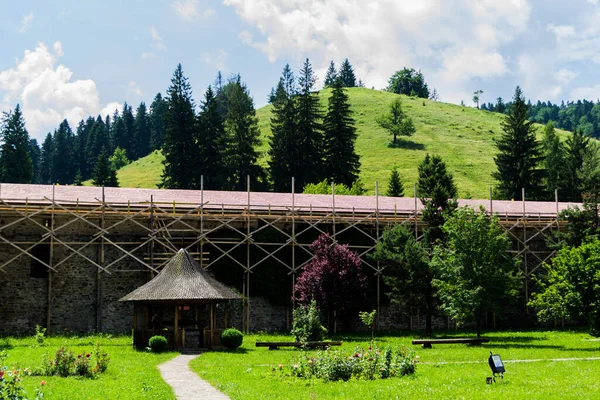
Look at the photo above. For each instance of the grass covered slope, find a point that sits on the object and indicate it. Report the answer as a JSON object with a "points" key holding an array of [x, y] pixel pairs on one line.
{"points": [[462, 136]]}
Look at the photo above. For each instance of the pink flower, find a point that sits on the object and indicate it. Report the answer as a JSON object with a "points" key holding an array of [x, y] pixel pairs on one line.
{"points": [[42, 383]]}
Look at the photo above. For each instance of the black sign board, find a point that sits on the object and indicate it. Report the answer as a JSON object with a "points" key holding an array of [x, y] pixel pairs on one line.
{"points": [[496, 363]]}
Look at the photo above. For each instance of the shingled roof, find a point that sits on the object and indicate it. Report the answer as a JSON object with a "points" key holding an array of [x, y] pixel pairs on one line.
{"points": [[182, 279]]}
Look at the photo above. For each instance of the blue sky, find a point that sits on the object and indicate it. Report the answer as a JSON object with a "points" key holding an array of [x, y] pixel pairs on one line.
{"points": [[69, 59]]}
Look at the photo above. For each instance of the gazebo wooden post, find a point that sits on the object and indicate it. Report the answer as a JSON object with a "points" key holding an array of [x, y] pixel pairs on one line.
{"points": [[176, 326], [211, 325]]}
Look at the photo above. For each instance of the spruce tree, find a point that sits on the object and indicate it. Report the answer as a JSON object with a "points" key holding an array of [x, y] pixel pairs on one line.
{"points": [[212, 144], [104, 174], [15, 162], [118, 134], [395, 186], [45, 174], [142, 132], [341, 161], [78, 181], [180, 141], [330, 76], [63, 155], [98, 139], [310, 130], [283, 151], [554, 161], [243, 135], [577, 145], [84, 130], [347, 74], [158, 110], [34, 154], [130, 139], [519, 155]]}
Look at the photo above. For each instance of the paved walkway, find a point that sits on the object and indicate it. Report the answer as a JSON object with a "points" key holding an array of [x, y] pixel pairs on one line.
{"points": [[185, 383]]}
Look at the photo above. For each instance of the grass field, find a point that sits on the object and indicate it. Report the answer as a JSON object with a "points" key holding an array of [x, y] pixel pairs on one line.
{"points": [[462, 136], [130, 374], [535, 362]]}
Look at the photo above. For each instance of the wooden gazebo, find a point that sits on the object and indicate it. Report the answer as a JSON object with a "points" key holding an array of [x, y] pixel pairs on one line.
{"points": [[174, 304]]}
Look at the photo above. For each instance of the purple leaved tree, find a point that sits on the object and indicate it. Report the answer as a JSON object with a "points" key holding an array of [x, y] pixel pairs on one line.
{"points": [[334, 278]]}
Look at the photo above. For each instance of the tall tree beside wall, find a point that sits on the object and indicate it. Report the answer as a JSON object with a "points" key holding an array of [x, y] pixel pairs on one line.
{"points": [[98, 139], [180, 141], [284, 160], [342, 164], [213, 143], [577, 146], [310, 129], [554, 157], [158, 109], [34, 154], [104, 174], [129, 124], [45, 175], [142, 132], [15, 162], [63, 155], [241, 127], [118, 134], [519, 159]]}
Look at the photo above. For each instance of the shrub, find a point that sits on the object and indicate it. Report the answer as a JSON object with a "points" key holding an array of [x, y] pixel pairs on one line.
{"points": [[102, 359], [63, 361], [82, 364], [40, 334], [232, 338], [306, 325], [334, 365], [158, 344]]}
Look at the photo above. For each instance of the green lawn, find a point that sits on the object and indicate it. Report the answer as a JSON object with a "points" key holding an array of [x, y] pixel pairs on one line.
{"points": [[444, 372], [462, 136], [130, 375]]}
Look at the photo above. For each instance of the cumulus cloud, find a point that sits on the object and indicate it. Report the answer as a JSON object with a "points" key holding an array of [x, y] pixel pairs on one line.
{"points": [[590, 93], [382, 36], [190, 9], [46, 91], [25, 22], [159, 43]]}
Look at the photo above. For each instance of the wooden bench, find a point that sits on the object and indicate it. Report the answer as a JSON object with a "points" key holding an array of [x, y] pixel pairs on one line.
{"points": [[311, 345], [426, 343]]}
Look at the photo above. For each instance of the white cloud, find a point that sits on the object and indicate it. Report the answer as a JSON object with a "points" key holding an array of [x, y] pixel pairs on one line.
{"points": [[135, 88], [159, 43], [590, 93], [382, 36], [110, 109], [190, 9], [147, 55], [217, 59], [25, 22], [46, 91]]}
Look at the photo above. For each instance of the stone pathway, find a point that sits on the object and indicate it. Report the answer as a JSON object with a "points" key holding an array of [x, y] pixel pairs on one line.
{"points": [[185, 383]]}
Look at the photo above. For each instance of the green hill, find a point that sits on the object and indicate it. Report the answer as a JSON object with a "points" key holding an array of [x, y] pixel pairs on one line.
{"points": [[462, 136]]}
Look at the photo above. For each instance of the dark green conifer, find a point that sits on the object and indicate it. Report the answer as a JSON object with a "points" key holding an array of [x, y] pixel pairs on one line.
{"points": [[15, 162], [554, 161], [395, 186], [212, 144], [310, 130], [341, 161], [330, 76], [180, 141], [283, 151], [347, 74], [142, 132], [157, 117], [104, 174], [63, 155], [519, 155], [130, 139], [45, 174], [577, 146], [34, 154]]}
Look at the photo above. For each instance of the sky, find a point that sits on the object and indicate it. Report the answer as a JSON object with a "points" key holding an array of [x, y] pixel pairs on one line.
{"points": [[70, 58]]}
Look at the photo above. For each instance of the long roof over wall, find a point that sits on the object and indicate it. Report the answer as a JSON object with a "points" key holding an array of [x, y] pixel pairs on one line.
{"points": [[229, 200]]}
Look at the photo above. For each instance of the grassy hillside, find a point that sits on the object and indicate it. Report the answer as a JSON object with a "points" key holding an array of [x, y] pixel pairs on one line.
{"points": [[462, 136]]}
